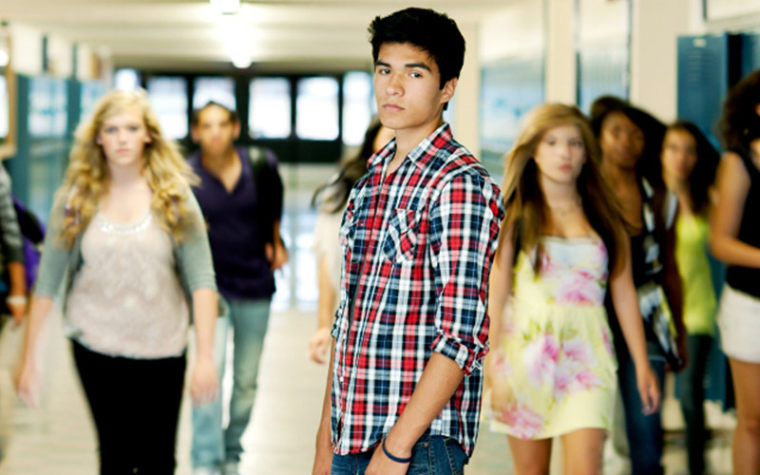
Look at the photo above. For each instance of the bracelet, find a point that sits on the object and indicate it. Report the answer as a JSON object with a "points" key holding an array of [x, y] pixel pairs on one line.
{"points": [[394, 458], [16, 300]]}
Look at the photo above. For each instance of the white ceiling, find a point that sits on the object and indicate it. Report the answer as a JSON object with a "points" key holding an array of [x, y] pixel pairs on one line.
{"points": [[326, 34]]}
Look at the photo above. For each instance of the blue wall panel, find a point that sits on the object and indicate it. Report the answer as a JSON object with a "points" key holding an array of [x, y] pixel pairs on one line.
{"points": [[750, 53], [703, 79], [602, 70], [43, 141], [509, 89]]}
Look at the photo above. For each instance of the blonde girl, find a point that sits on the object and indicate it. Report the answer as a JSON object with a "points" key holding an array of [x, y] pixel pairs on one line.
{"points": [[126, 247]]}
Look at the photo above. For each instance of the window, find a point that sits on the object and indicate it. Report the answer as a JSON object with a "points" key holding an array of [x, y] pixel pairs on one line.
{"points": [[3, 108], [358, 102], [91, 91], [168, 96], [269, 108], [317, 108], [47, 107], [217, 89], [126, 79]]}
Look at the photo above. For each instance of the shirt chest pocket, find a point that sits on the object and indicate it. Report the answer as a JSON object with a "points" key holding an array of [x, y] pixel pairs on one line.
{"points": [[402, 240]]}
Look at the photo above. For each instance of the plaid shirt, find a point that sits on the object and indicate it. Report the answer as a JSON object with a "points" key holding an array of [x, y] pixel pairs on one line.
{"points": [[418, 248]]}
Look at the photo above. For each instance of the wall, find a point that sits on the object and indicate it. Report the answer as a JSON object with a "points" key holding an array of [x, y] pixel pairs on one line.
{"points": [[465, 123], [560, 52], [517, 30], [655, 26], [654, 55], [27, 49]]}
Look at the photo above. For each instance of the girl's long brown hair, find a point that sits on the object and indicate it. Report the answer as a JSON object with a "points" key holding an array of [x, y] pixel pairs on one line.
{"points": [[524, 200]]}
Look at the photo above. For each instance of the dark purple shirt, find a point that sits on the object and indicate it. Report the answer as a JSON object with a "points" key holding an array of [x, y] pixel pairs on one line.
{"points": [[236, 228]]}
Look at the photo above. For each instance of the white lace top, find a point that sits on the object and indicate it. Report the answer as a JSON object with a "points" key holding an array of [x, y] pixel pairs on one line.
{"points": [[127, 298]]}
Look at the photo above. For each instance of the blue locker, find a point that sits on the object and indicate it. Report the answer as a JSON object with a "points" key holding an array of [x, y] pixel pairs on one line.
{"points": [[750, 53], [703, 79]]}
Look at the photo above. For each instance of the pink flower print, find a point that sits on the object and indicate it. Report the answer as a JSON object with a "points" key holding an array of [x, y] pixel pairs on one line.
{"points": [[579, 288], [547, 265], [524, 421], [541, 358], [586, 380], [563, 379], [607, 342], [577, 350]]}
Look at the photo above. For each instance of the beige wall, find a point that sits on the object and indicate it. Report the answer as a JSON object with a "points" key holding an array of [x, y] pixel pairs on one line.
{"points": [[654, 57], [27, 54], [560, 52], [466, 118]]}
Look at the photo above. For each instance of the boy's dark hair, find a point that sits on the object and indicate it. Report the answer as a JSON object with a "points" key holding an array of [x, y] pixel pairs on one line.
{"points": [[427, 29], [197, 113]]}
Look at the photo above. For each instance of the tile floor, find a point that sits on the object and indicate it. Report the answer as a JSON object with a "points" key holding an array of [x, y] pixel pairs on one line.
{"points": [[58, 438]]}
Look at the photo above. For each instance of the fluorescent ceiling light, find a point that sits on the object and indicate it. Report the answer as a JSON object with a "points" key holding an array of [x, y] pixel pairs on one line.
{"points": [[236, 37], [225, 6]]}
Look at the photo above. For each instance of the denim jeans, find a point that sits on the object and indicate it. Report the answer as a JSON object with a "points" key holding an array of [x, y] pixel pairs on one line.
{"points": [[212, 444], [692, 394], [644, 433], [431, 455]]}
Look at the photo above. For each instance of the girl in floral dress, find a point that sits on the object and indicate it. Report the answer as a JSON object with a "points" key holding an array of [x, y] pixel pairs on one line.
{"points": [[552, 371]]}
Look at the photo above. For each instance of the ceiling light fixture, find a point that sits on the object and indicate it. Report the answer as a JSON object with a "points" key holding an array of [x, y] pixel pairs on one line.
{"points": [[236, 38], [226, 7]]}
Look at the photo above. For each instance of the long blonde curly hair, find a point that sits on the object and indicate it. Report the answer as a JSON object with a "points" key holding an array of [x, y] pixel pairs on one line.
{"points": [[87, 176]]}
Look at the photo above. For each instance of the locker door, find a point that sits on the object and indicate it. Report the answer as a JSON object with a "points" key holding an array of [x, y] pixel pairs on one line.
{"points": [[704, 77]]}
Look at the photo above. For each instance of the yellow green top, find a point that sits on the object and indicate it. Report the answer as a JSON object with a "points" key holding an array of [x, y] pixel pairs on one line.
{"points": [[699, 303]]}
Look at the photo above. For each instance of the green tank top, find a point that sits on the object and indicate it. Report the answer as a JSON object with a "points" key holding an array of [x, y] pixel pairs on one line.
{"points": [[699, 302]]}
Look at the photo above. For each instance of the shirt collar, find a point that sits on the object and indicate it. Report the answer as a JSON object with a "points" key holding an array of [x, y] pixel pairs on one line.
{"points": [[421, 154]]}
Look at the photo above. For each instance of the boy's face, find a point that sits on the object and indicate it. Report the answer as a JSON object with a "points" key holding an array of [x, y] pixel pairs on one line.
{"points": [[407, 88], [215, 131]]}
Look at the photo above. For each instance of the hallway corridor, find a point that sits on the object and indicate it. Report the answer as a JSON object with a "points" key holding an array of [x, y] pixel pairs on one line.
{"points": [[58, 438]]}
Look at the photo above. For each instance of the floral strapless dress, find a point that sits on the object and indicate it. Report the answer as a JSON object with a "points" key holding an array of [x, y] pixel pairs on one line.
{"points": [[553, 365]]}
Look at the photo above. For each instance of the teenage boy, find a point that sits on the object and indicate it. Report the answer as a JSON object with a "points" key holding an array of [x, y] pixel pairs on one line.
{"points": [[242, 203], [418, 237]]}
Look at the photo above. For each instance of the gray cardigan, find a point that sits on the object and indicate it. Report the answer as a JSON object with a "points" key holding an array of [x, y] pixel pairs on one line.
{"points": [[192, 257]]}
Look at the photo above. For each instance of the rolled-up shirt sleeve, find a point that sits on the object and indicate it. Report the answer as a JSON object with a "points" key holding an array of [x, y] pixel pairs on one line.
{"points": [[464, 226]]}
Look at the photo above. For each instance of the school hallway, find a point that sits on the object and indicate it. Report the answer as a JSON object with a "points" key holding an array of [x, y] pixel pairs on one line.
{"points": [[58, 437]]}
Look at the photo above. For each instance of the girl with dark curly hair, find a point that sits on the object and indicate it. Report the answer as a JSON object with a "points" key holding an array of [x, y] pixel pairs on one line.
{"points": [[736, 241]]}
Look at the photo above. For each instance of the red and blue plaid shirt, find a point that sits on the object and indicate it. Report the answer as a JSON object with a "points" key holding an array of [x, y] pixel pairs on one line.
{"points": [[418, 247]]}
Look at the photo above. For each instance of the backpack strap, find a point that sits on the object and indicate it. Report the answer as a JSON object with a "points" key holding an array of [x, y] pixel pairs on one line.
{"points": [[259, 161], [263, 187]]}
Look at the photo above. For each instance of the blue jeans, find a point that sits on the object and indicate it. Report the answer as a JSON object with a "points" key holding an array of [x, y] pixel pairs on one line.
{"points": [[431, 455], [213, 445], [644, 433]]}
